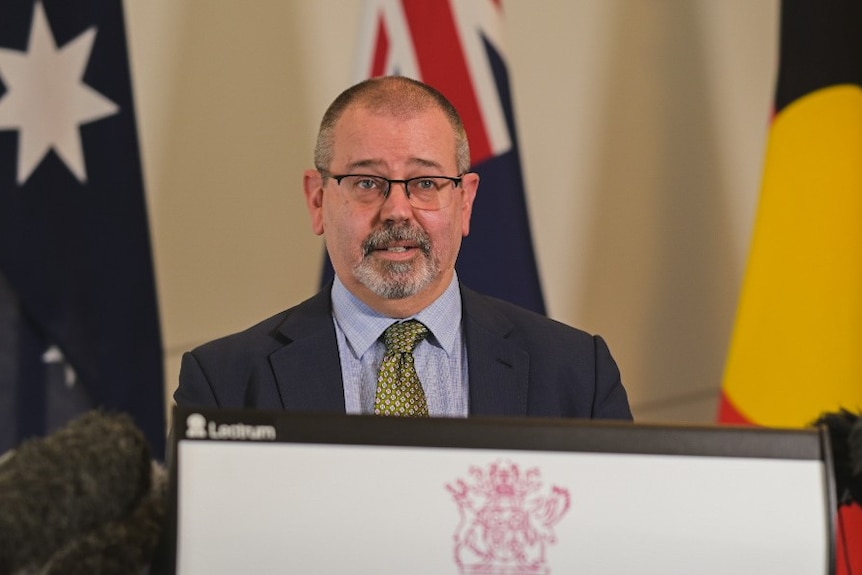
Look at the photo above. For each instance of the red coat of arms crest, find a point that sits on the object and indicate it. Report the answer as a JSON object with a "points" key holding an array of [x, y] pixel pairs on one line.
{"points": [[507, 521]]}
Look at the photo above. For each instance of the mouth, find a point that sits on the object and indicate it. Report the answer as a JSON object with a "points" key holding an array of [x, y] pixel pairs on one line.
{"points": [[397, 241], [396, 253], [396, 249]]}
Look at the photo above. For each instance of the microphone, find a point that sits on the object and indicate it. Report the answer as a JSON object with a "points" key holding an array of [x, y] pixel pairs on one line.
{"points": [[85, 499], [845, 437]]}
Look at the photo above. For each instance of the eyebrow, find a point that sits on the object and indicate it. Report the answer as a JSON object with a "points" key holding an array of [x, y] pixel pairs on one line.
{"points": [[379, 164]]}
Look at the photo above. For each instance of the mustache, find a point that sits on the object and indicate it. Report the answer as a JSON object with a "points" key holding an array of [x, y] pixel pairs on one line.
{"points": [[381, 238]]}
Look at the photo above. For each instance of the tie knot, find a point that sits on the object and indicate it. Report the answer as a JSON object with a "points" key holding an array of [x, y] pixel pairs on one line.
{"points": [[403, 337]]}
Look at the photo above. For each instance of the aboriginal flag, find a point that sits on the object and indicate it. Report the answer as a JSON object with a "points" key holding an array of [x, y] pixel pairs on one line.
{"points": [[797, 344]]}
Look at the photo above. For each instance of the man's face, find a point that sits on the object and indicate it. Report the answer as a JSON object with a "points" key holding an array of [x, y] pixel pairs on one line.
{"points": [[394, 257]]}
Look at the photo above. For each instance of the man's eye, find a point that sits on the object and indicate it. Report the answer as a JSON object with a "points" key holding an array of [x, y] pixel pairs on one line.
{"points": [[367, 184], [425, 184]]}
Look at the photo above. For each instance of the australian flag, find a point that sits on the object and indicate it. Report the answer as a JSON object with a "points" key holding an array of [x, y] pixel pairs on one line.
{"points": [[78, 317], [457, 47]]}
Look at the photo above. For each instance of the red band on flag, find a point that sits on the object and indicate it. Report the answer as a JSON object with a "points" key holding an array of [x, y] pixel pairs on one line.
{"points": [[848, 555], [443, 65], [381, 49], [728, 413]]}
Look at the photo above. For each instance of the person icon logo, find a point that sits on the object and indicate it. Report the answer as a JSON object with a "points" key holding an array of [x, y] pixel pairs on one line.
{"points": [[196, 426]]}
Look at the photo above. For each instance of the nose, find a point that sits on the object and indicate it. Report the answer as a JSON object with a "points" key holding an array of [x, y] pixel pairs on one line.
{"points": [[396, 205]]}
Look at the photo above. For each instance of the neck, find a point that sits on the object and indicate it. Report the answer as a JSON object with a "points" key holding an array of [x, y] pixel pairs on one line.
{"points": [[404, 307]]}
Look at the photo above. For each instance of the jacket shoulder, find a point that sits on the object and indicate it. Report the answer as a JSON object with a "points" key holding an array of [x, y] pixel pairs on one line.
{"points": [[273, 332], [219, 372], [502, 316]]}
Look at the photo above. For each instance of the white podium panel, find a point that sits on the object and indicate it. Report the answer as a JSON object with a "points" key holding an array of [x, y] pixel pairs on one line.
{"points": [[267, 492]]}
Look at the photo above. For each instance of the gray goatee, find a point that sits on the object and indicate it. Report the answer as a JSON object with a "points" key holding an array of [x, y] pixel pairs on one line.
{"points": [[397, 280]]}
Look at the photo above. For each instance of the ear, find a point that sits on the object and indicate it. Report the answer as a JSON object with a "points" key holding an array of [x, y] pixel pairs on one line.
{"points": [[312, 183], [469, 187]]}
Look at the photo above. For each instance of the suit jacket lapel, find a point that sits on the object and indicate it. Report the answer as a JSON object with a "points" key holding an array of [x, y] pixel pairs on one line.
{"points": [[497, 367], [307, 369]]}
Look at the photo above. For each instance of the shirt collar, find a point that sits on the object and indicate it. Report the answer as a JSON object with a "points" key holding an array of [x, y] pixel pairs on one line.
{"points": [[362, 325]]}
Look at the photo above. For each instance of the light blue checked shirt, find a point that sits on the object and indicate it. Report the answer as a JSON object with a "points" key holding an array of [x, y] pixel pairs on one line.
{"points": [[440, 359]]}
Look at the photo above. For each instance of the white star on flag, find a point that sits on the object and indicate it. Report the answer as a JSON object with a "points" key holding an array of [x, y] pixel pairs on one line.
{"points": [[47, 100]]}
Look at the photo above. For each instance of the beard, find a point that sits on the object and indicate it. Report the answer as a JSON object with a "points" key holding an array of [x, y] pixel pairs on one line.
{"points": [[397, 280]]}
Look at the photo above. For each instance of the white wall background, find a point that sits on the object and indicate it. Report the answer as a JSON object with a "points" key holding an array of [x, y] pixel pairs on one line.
{"points": [[642, 123]]}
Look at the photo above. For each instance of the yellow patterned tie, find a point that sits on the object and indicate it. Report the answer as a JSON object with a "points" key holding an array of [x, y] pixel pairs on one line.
{"points": [[398, 389]]}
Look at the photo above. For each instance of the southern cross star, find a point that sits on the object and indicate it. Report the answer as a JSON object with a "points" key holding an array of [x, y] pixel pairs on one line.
{"points": [[47, 100]]}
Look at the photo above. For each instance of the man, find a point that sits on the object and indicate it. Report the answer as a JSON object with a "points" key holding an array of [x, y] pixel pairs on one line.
{"points": [[392, 195]]}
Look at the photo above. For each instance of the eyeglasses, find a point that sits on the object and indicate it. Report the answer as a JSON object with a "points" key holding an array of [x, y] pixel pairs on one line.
{"points": [[423, 192]]}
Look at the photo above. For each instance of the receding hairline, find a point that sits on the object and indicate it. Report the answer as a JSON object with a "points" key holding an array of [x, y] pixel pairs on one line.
{"points": [[396, 96]]}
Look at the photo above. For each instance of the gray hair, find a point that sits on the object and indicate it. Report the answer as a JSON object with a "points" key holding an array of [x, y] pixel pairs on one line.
{"points": [[397, 95]]}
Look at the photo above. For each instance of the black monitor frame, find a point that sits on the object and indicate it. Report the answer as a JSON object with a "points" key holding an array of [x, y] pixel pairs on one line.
{"points": [[531, 434]]}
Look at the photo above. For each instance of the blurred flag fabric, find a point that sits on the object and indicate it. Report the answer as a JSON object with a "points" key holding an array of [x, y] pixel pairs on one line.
{"points": [[457, 47], [796, 351], [78, 318]]}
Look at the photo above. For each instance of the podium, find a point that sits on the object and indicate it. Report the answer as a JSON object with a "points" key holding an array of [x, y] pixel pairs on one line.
{"points": [[272, 492]]}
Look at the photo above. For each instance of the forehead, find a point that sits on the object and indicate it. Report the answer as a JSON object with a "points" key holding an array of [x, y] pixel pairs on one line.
{"points": [[364, 136]]}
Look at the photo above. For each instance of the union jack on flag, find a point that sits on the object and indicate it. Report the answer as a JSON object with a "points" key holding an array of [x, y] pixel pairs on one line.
{"points": [[457, 47]]}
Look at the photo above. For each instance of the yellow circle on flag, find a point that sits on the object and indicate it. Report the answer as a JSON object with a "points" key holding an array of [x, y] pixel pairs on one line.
{"points": [[797, 343]]}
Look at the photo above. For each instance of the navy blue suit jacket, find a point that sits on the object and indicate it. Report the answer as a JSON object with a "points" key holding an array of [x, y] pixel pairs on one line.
{"points": [[520, 364]]}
